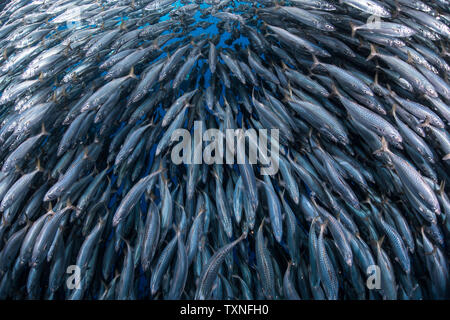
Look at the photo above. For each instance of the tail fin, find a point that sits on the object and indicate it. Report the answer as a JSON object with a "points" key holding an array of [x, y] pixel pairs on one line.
{"points": [[393, 110], [131, 74], [384, 147], [242, 237], [316, 62], [38, 166], [425, 123], [442, 187], [335, 90], [410, 58], [122, 26], [156, 45], [373, 52], [290, 89], [380, 241], [375, 81], [323, 226], [43, 131], [354, 29]]}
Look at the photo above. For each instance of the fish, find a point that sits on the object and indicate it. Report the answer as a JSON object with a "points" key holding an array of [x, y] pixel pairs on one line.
{"points": [[351, 97]]}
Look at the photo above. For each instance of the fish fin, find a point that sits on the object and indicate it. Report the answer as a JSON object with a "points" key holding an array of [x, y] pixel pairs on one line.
{"points": [[380, 241], [69, 205], [164, 179], [375, 81], [262, 224], [314, 220], [384, 147], [361, 44], [373, 52], [131, 74], [354, 29], [38, 166], [50, 208], [18, 169], [215, 174], [67, 49], [316, 62], [41, 77], [253, 95], [323, 226], [335, 91], [393, 110], [397, 9], [425, 123], [122, 26], [310, 133], [236, 277], [446, 157], [64, 93], [266, 25], [242, 237], [444, 51], [282, 195], [410, 58], [290, 89], [155, 44], [85, 153], [126, 242]]}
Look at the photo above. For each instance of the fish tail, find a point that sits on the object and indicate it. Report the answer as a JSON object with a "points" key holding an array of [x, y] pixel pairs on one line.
{"points": [[375, 81], [393, 110], [38, 166], [131, 74], [242, 237], [444, 51], [122, 26], [442, 185], [316, 62], [373, 52], [43, 131], [425, 123], [70, 206], [323, 226], [354, 29], [335, 90], [380, 241], [384, 147]]}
